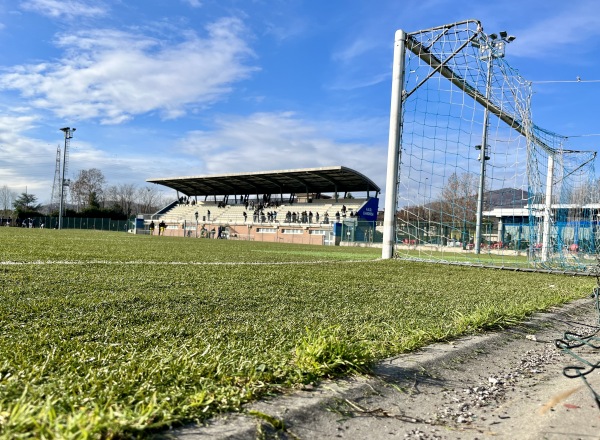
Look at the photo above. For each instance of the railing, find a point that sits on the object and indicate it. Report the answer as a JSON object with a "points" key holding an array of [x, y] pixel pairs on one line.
{"points": [[100, 224]]}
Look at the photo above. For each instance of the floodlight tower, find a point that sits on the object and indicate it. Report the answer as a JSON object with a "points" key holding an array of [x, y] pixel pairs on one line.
{"points": [[491, 47], [56, 184], [68, 136]]}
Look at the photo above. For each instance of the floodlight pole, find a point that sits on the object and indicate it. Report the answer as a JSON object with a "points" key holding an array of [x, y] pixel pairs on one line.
{"points": [[68, 135], [394, 150], [483, 157], [490, 51]]}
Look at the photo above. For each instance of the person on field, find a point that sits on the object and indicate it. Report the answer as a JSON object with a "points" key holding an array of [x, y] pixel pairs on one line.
{"points": [[161, 227], [152, 226]]}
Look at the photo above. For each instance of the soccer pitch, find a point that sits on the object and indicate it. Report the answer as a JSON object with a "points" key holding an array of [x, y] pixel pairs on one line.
{"points": [[110, 335]]}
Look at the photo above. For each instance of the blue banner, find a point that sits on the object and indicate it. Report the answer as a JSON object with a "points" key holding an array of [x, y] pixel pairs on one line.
{"points": [[368, 211]]}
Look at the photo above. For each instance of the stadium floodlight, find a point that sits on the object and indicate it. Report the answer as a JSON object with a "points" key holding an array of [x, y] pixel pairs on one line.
{"points": [[68, 131], [503, 34], [493, 36], [511, 38]]}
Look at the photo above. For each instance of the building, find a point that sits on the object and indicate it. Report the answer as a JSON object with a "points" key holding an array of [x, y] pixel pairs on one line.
{"points": [[324, 205]]}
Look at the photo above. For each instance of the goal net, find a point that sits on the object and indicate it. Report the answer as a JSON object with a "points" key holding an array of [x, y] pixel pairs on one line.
{"points": [[477, 180]]}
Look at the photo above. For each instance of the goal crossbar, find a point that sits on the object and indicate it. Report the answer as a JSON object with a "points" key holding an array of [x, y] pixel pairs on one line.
{"points": [[440, 66]]}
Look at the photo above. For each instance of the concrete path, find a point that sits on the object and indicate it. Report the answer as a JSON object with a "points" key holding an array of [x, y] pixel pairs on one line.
{"points": [[502, 385]]}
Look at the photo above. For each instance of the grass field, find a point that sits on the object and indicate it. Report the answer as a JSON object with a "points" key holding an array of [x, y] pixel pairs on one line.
{"points": [[111, 335]]}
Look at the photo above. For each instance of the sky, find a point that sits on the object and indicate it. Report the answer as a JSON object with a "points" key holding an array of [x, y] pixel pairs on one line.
{"points": [[164, 88]]}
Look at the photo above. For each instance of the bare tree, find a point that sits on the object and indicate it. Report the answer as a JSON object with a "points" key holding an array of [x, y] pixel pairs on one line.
{"points": [[581, 195], [459, 198], [122, 196], [87, 190], [7, 197], [149, 199]]}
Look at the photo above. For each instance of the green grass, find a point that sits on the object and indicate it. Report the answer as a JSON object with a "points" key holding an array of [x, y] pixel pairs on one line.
{"points": [[508, 258], [109, 335]]}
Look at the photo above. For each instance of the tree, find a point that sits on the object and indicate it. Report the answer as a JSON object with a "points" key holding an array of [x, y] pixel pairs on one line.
{"points": [[7, 197], [25, 205], [88, 188], [459, 198], [26, 202], [123, 196], [149, 199]]}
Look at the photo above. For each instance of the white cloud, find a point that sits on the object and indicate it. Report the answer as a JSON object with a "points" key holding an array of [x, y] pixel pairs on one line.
{"points": [[193, 3], [113, 75], [286, 28], [357, 48], [25, 162], [570, 28], [269, 141], [65, 8]]}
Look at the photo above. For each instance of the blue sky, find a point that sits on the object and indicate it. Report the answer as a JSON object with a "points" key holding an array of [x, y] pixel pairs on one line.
{"points": [[162, 88]]}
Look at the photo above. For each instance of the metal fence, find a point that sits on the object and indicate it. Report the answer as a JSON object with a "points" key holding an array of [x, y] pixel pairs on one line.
{"points": [[100, 224]]}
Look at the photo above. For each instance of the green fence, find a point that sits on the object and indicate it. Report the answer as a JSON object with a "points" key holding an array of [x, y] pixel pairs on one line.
{"points": [[100, 224]]}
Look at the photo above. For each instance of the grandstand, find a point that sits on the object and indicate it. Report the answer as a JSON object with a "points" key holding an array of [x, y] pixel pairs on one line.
{"points": [[326, 205]]}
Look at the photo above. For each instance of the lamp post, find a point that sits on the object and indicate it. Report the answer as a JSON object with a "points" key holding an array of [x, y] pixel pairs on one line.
{"points": [[68, 135], [490, 48]]}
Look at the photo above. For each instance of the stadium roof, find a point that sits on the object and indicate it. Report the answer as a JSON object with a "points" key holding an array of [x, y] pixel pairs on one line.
{"points": [[305, 180]]}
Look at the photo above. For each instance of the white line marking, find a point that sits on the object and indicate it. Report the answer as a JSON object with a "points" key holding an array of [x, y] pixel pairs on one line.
{"points": [[173, 263]]}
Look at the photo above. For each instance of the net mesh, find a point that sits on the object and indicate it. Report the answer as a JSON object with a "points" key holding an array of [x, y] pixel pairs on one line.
{"points": [[466, 114]]}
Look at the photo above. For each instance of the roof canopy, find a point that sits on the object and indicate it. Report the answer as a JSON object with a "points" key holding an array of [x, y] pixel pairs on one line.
{"points": [[306, 180]]}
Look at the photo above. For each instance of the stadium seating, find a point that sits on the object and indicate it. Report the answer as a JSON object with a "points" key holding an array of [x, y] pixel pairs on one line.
{"points": [[234, 213]]}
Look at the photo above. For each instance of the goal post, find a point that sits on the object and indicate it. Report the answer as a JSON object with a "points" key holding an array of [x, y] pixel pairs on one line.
{"points": [[394, 151], [470, 177]]}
